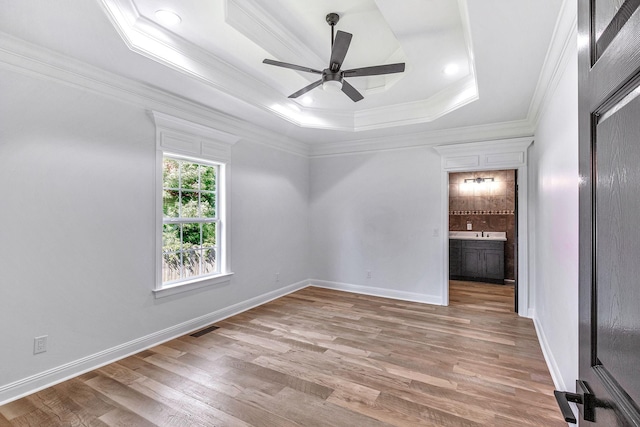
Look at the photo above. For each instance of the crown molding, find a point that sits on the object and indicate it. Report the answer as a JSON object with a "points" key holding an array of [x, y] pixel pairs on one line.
{"points": [[492, 146], [454, 96], [470, 134], [35, 61], [254, 21], [562, 49]]}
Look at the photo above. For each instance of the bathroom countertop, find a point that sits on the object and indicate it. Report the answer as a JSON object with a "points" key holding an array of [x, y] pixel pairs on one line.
{"points": [[478, 235]]}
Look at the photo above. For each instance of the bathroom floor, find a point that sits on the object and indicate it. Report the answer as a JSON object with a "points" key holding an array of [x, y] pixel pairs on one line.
{"points": [[481, 296]]}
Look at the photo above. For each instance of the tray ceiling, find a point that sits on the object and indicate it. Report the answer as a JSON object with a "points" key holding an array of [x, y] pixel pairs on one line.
{"points": [[223, 44], [212, 61]]}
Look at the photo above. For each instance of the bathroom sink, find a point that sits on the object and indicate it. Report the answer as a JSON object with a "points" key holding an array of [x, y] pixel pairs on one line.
{"points": [[478, 235]]}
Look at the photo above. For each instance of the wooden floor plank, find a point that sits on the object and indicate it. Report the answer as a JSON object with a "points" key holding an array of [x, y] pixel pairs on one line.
{"points": [[321, 357]]}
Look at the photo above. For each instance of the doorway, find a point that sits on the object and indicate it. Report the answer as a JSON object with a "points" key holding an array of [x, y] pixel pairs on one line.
{"points": [[483, 239], [498, 154]]}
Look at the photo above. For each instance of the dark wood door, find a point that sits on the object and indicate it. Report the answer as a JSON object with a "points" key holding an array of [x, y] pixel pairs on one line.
{"points": [[609, 111]]}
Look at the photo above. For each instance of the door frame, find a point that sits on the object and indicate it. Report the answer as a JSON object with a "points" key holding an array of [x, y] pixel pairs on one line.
{"points": [[483, 156]]}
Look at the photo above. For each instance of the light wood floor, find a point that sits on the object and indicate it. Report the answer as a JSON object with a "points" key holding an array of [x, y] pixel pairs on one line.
{"points": [[482, 296], [323, 358]]}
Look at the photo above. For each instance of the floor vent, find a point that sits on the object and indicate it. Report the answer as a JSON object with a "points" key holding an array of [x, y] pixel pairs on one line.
{"points": [[204, 331]]}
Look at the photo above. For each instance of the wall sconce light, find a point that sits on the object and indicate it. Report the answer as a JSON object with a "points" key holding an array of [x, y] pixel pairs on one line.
{"points": [[478, 180]]}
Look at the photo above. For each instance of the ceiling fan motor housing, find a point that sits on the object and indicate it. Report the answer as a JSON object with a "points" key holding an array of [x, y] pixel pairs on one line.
{"points": [[329, 76]]}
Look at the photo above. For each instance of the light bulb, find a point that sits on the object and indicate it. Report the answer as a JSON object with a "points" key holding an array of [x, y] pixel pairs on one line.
{"points": [[167, 17], [332, 86]]}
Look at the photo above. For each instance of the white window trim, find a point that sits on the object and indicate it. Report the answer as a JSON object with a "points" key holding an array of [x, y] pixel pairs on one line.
{"points": [[193, 142]]}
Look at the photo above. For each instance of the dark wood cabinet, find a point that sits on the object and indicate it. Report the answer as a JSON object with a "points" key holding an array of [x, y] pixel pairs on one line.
{"points": [[479, 260], [454, 257]]}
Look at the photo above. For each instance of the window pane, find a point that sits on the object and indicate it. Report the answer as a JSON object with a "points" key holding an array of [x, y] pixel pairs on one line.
{"points": [[191, 236], [170, 203], [209, 234], [188, 194], [191, 262], [209, 261], [189, 205], [171, 263], [190, 176], [208, 177], [208, 205], [170, 173], [171, 238]]}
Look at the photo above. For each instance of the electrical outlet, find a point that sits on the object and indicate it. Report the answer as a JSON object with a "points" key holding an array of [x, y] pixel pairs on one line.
{"points": [[40, 344], [277, 277], [368, 274]]}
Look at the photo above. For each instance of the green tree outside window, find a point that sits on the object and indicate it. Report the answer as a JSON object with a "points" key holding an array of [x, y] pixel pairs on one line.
{"points": [[190, 219]]}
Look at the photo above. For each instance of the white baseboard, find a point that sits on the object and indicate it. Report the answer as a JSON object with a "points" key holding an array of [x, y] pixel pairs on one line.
{"points": [[378, 292], [558, 382], [34, 383], [37, 382], [554, 370]]}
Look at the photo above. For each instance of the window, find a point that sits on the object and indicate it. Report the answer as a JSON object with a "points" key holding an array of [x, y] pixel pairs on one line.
{"points": [[192, 244], [190, 220]]}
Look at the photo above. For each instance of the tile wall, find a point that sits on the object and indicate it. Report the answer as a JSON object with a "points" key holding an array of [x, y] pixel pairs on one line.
{"points": [[489, 206]]}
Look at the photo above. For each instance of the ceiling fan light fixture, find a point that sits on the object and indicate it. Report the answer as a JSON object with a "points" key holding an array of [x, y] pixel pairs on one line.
{"points": [[332, 82], [168, 17], [332, 85]]}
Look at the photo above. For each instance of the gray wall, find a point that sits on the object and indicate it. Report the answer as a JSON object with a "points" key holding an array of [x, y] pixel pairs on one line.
{"points": [[554, 204], [77, 236], [378, 212]]}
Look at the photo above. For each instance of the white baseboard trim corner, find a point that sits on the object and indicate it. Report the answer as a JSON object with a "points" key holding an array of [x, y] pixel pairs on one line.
{"points": [[48, 378], [554, 370], [378, 292]]}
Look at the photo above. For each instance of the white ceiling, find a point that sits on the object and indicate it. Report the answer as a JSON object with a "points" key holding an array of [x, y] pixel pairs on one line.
{"points": [[214, 57]]}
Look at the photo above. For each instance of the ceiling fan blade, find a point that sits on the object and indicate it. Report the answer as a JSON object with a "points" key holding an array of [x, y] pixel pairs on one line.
{"points": [[292, 66], [339, 50], [306, 89], [351, 92], [375, 70]]}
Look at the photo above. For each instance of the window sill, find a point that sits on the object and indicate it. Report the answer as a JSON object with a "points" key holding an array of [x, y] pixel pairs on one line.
{"points": [[177, 288]]}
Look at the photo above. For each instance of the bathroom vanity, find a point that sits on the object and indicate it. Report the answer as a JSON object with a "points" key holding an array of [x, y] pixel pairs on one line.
{"points": [[477, 256]]}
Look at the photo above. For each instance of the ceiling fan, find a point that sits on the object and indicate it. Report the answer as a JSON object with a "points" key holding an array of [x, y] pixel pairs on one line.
{"points": [[333, 77]]}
